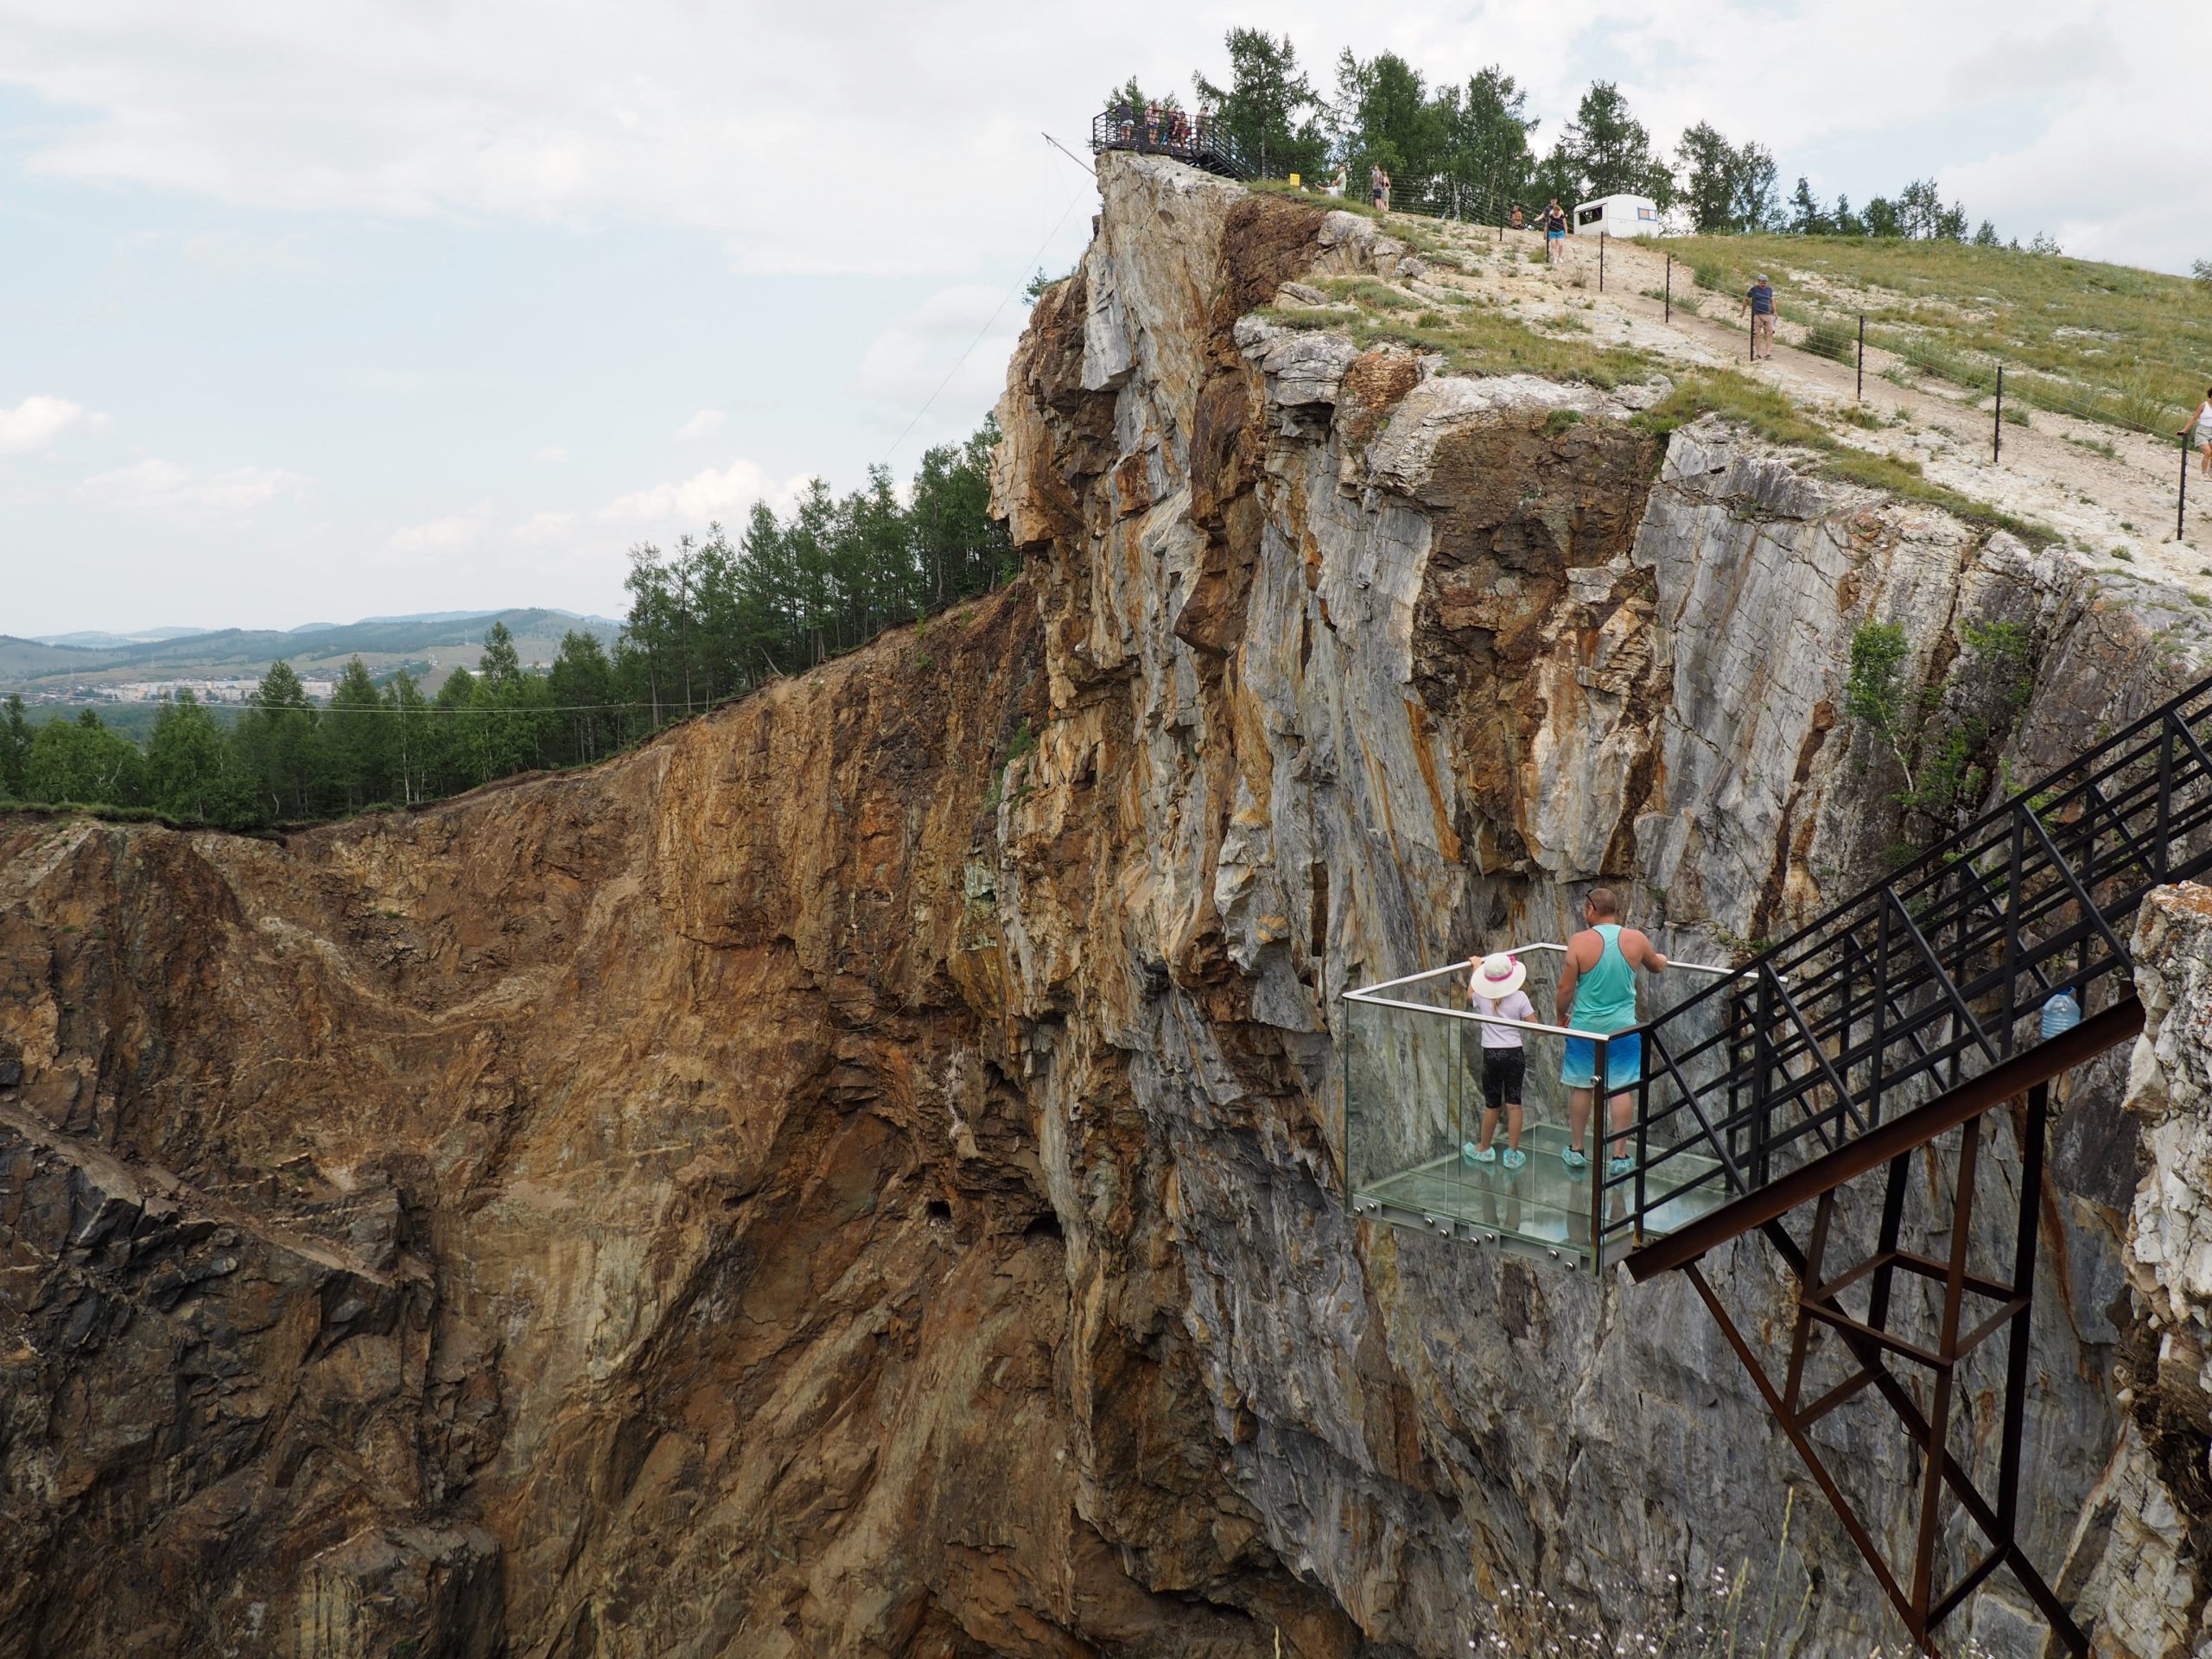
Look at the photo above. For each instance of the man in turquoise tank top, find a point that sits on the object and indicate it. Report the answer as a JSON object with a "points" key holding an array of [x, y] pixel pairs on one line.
{"points": [[1596, 992]]}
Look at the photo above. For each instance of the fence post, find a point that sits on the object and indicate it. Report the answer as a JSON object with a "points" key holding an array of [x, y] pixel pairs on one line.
{"points": [[1862, 357], [2181, 507], [1601, 1117], [1601, 258], [1997, 423], [1670, 289]]}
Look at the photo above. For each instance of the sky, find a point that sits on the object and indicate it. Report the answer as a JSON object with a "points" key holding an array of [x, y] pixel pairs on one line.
{"points": [[315, 312]]}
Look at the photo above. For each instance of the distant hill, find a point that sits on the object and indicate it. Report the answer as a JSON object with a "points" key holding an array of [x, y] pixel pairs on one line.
{"points": [[95, 639], [437, 643]]}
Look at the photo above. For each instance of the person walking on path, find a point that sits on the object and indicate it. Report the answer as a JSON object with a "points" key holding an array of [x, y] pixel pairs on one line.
{"points": [[1597, 993], [1758, 300], [1554, 223], [2202, 423], [1494, 990]]}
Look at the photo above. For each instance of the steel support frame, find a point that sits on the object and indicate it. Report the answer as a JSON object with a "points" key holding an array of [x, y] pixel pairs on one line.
{"points": [[1872, 1344]]}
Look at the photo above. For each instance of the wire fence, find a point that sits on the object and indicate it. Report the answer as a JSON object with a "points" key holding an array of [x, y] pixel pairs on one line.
{"points": [[2140, 399]]}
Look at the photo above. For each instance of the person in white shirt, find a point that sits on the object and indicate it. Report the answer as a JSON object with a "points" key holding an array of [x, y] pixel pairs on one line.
{"points": [[2200, 424], [1494, 989]]}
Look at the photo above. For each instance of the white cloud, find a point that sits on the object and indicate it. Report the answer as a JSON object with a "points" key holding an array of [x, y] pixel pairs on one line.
{"points": [[544, 529], [453, 532], [725, 494], [905, 139], [155, 486], [919, 357], [766, 125], [233, 254], [552, 456], [701, 425], [36, 421]]}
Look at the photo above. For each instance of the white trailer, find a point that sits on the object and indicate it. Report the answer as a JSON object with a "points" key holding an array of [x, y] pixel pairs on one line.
{"points": [[1617, 216]]}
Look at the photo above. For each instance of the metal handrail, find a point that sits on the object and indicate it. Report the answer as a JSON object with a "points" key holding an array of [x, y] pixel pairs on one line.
{"points": [[1198, 137], [1974, 936]]}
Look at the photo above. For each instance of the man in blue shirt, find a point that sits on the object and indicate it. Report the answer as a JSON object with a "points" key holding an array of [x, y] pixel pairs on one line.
{"points": [[1760, 302]]}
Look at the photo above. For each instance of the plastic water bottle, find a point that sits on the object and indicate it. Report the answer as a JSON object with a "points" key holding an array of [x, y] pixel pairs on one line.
{"points": [[2061, 1013]]}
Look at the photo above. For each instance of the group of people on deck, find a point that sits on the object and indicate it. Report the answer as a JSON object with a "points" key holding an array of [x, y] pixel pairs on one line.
{"points": [[1597, 994]]}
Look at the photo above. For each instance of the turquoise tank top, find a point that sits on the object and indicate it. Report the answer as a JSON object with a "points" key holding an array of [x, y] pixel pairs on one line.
{"points": [[1604, 997]]}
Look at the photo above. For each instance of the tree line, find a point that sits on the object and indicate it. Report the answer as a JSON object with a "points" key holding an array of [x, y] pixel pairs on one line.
{"points": [[709, 620], [1472, 147]]}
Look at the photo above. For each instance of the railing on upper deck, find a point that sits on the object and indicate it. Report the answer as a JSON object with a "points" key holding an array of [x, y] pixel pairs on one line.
{"points": [[1199, 139]]}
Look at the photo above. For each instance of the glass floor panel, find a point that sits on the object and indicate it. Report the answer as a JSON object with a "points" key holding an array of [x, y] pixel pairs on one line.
{"points": [[1543, 1209], [1413, 1063]]}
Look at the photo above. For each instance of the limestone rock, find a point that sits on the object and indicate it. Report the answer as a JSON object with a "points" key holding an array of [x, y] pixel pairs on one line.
{"points": [[860, 1174]]}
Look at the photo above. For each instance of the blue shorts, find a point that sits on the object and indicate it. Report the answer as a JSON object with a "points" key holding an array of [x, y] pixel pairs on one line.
{"points": [[1623, 1062]]}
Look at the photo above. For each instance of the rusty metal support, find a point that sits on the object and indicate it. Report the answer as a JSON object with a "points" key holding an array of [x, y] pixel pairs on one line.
{"points": [[1921, 1603]]}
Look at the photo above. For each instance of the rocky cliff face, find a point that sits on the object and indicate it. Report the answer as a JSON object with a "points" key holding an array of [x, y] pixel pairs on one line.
{"points": [[2139, 1559], [860, 1174]]}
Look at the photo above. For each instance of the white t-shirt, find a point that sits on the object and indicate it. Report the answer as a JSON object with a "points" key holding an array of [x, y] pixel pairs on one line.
{"points": [[1515, 1007], [2204, 421]]}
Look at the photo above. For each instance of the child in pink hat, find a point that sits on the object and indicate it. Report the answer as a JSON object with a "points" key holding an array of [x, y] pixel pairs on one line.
{"points": [[1494, 989]]}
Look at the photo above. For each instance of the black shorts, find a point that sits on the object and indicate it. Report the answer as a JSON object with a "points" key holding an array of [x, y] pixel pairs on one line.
{"points": [[1502, 1070]]}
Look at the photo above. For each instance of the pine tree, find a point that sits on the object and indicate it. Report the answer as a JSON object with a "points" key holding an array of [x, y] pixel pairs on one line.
{"points": [[1806, 218], [275, 739], [1488, 132], [411, 745], [497, 664], [459, 756], [356, 742], [82, 761], [581, 686], [1382, 116], [1607, 152], [1708, 191], [193, 766], [14, 748], [1268, 109]]}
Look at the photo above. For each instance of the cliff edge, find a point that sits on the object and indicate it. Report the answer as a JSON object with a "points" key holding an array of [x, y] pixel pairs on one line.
{"points": [[862, 1172]]}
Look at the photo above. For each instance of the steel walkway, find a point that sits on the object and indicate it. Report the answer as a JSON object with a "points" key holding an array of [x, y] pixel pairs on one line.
{"points": [[1901, 1017]]}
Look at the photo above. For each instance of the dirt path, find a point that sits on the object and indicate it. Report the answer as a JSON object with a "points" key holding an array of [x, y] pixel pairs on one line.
{"points": [[2116, 510]]}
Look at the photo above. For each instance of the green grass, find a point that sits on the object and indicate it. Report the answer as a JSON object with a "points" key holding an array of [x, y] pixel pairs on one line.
{"points": [[1474, 341], [1758, 406], [1830, 339], [1710, 270], [1368, 293], [2108, 342]]}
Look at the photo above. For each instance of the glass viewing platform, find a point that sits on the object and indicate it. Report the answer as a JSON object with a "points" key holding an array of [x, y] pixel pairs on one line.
{"points": [[1412, 1110]]}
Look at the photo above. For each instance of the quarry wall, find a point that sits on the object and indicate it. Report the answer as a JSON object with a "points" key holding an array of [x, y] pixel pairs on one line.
{"points": [[860, 1173]]}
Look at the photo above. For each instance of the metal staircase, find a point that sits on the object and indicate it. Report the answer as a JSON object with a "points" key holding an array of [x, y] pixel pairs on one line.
{"points": [[1908, 1013]]}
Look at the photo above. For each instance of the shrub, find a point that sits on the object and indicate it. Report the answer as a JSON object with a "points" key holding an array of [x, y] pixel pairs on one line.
{"points": [[1366, 291], [1830, 339]]}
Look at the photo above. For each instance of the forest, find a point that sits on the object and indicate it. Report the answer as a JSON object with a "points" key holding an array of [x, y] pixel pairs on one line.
{"points": [[709, 619], [1470, 147]]}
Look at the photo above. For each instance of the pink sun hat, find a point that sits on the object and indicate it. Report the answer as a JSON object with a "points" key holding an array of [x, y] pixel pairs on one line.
{"points": [[1498, 975]]}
